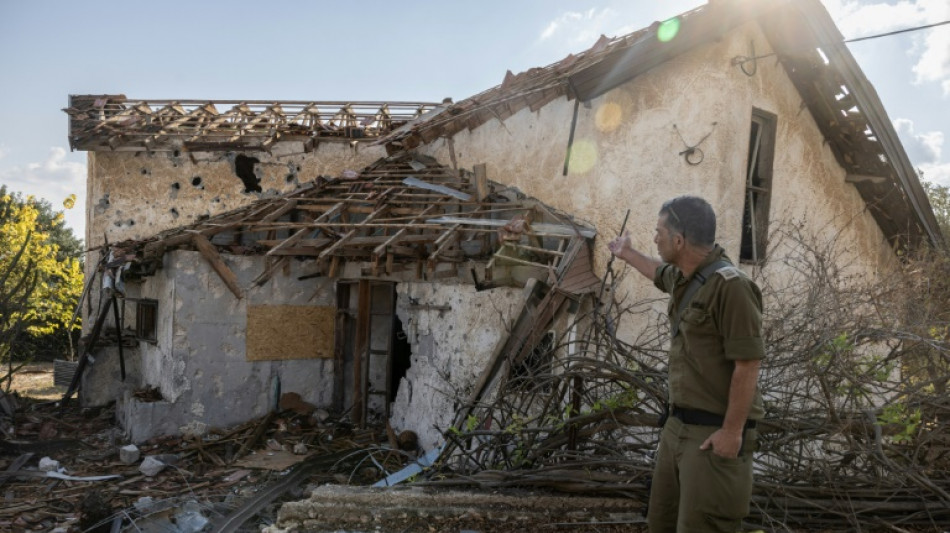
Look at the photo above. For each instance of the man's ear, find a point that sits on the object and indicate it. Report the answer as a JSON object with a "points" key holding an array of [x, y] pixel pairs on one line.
{"points": [[678, 240]]}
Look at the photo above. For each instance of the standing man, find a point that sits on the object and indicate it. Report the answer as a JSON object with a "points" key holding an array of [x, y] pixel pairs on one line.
{"points": [[702, 480]]}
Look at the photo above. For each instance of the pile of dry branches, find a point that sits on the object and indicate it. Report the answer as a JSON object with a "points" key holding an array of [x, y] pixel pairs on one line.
{"points": [[855, 433]]}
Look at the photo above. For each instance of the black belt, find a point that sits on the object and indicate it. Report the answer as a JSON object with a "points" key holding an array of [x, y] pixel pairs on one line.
{"points": [[698, 417]]}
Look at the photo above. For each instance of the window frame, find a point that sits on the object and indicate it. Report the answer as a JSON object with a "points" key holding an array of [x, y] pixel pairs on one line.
{"points": [[758, 188]]}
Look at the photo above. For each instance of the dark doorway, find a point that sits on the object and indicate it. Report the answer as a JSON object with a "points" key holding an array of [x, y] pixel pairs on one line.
{"points": [[401, 358]]}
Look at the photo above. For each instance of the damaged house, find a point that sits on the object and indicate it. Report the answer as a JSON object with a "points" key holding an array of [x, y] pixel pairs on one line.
{"points": [[386, 259]]}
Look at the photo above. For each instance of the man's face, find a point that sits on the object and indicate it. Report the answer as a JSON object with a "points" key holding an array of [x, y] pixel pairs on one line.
{"points": [[665, 240]]}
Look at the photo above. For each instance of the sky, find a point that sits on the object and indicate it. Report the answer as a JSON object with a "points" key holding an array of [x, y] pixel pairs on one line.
{"points": [[375, 50]]}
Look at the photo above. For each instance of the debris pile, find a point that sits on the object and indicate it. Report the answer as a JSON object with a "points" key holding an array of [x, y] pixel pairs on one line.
{"points": [[72, 471]]}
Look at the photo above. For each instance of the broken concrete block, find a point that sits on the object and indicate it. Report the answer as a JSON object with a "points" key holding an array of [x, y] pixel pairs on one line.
{"points": [[129, 454], [300, 449], [49, 465], [151, 466], [144, 505], [189, 519]]}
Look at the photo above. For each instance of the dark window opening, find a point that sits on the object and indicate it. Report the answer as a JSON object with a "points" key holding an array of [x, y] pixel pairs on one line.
{"points": [[401, 358], [535, 369], [146, 320], [758, 189], [244, 168]]}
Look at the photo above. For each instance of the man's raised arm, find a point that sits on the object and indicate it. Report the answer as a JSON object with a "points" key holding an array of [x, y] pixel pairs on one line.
{"points": [[644, 264]]}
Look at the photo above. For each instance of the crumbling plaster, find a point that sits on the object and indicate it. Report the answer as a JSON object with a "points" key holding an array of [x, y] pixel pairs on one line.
{"points": [[199, 361], [450, 349], [132, 195], [627, 155]]}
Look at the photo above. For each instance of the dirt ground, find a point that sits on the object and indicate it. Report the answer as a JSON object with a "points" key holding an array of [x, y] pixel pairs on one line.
{"points": [[249, 475], [35, 380]]}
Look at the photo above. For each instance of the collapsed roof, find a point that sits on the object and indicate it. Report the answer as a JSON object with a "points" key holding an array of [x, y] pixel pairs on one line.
{"points": [[113, 122], [806, 42], [404, 215]]}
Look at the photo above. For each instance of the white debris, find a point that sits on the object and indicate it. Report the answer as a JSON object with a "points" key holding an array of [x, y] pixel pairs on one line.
{"points": [[49, 465], [129, 454], [151, 466]]}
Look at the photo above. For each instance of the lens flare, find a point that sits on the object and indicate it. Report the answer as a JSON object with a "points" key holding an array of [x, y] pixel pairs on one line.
{"points": [[583, 156], [668, 29], [608, 117]]}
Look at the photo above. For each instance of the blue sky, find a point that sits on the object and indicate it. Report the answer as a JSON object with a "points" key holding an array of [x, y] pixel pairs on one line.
{"points": [[374, 50]]}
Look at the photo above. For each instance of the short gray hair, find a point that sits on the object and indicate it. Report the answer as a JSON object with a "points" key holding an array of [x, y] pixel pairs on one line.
{"points": [[693, 218]]}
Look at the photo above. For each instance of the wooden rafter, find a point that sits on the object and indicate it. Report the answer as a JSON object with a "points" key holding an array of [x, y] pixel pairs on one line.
{"points": [[376, 219]]}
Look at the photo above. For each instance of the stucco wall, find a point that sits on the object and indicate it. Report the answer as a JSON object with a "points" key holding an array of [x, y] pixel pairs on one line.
{"points": [[199, 362], [131, 195], [626, 155], [449, 351]]}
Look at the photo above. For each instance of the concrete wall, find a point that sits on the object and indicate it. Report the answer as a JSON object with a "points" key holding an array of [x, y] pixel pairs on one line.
{"points": [[199, 362], [449, 351], [626, 155], [131, 195]]}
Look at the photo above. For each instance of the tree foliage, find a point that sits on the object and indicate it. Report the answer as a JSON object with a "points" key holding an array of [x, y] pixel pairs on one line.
{"points": [[40, 275], [940, 201]]}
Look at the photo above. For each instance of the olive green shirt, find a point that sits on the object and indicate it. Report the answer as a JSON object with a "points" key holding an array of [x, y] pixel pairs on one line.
{"points": [[722, 324]]}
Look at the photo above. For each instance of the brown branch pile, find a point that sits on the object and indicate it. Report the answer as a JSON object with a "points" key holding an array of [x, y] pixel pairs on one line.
{"points": [[855, 382]]}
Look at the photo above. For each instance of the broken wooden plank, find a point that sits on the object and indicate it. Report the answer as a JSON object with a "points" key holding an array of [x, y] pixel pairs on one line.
{"points": [[443, 242], [210, 253], [270, 271], [481, 181]]}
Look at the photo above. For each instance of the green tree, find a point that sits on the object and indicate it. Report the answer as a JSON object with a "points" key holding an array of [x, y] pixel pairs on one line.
{"points": [[40, 277], [940, 201]]}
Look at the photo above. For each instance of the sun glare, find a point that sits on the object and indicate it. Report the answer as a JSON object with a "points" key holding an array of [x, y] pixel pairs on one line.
{"points": [[668, 29], [583, 156], [608, 117]]}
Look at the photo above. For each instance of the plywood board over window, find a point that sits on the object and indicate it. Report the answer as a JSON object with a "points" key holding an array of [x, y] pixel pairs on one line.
{"points": [[278, 332]]}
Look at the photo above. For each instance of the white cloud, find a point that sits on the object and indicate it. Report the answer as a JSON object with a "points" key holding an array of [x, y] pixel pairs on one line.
{"points": [[53, 180], [939, 174], [583, 28], [922, 148], [931, 49], [934, 63], [925, 151]]}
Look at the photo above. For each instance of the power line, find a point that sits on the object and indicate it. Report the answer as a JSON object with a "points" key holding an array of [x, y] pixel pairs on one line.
{"points": [[741, 60], [895, 32]]}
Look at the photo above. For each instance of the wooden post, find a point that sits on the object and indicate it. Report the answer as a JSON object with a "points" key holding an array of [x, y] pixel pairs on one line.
{"points": [[360, 350], [481, 181], [211, 255]]}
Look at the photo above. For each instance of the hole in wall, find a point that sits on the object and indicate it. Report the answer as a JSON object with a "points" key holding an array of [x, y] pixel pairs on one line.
{"points": [[176, 153], [174, 212], [401, 358], [196, 181], [244, 168], [290, 178], [144, 172]]}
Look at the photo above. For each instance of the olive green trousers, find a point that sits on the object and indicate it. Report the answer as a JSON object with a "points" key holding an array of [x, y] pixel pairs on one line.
{"points": [[695, 490]]}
